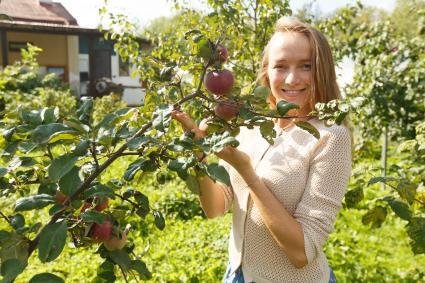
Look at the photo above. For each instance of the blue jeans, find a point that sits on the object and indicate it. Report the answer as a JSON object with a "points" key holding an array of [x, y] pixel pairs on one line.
{"points": [[237, 277]]}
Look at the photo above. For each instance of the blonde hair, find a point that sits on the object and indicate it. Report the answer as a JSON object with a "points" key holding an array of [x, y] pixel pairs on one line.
{"points": [[324, 86]]}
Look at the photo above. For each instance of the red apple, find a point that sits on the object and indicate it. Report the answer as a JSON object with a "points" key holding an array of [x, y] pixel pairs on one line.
{"points": [[226, 110], [222, 53], [219, 81], [102, 232], [85, 206], [60, 197], [101, 203], [115, 243]]}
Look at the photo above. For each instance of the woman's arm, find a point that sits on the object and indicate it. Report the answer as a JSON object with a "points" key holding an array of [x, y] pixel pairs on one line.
{"points": [[211, 195], [284, 228]]}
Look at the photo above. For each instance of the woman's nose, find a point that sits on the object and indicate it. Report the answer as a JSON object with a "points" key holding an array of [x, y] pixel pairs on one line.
{"points": [[291, 78]]}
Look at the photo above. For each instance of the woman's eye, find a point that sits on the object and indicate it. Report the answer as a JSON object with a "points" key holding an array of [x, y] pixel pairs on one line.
{"points": [[279, 67], [307, 67]]}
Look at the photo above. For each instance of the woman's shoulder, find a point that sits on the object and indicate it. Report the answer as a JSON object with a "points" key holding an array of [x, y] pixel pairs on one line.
{"points": [[331, 131]]}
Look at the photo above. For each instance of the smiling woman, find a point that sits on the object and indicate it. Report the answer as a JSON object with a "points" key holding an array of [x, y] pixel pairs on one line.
{"points": [[285, 195]]}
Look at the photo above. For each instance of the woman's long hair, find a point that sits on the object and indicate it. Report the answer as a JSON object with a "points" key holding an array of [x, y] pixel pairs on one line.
{"points": [[324, 86]]}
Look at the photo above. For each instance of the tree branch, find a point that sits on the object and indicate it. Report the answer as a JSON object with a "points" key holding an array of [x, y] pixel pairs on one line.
{"points": [[5, 217]]}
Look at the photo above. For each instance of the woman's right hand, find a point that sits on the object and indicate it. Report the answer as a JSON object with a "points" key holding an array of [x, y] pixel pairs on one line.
{"points": [[188, 124]]}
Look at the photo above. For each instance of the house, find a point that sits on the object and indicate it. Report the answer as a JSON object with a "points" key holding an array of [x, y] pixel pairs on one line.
{"points": [[78, 55]]}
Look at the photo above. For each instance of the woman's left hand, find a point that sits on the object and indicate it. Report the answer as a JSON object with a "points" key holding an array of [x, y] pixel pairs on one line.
{"points": [[238, 159]]}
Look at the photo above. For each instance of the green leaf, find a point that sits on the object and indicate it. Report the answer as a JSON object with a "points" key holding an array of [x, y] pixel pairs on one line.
{"points": [[105, 273], [61, 166], [161, 118], [3, 171], [407, 190], [376, 216], [49, 115], [77, 125], [400, 208], [416, 232], [98, 191], [218, 173], [53, 132], [34, 202], [14, 246], [46, 278], [267, 131], [85, 109], [262, 91], [17, 221], [353, 197], [11, 268], [30, 117], [93, 216], [216, 142], [82, 148], [145, 165], [141, 268], [4, 235], [159, 220], [284, 106], [70, 182], [193, 184], [107, 121], [52, 241], [375, 180], [121, 258], [309, 128], [138, 142]]}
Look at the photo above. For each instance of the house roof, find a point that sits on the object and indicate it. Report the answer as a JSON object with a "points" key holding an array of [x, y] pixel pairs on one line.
{"points": [[36, 11], [51, 28]]}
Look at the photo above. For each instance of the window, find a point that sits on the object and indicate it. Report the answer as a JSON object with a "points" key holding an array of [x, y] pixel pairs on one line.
{"points": [[58, 70], [124, 68], [15, 46]]}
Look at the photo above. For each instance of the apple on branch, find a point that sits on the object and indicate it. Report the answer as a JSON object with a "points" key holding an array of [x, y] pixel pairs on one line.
{"points": [[101, 232], [219, 82], [117, 242], [226, 110]]}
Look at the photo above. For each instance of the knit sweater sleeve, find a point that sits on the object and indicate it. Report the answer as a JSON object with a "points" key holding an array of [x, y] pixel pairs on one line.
{"points": [[330, 169]]}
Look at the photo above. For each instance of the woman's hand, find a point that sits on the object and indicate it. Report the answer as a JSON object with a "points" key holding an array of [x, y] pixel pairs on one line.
{"points": [[188, 124], [236, 158]]}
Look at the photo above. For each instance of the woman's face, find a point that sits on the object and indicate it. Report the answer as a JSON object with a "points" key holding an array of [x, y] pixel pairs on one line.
{"points": [[289, 69]]}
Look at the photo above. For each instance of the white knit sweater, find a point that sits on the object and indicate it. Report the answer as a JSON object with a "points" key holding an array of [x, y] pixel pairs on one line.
{"points": [[309, 177]]}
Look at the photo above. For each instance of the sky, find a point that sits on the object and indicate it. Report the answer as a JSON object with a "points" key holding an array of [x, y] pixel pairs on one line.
{"points": [[143, 11]]}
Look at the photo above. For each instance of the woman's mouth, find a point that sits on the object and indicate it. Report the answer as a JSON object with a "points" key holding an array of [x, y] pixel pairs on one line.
{"points": [[293, 92]]}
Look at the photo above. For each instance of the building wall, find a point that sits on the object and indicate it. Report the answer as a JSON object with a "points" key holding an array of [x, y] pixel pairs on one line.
{"points": [[73, 63], [55, 48]]}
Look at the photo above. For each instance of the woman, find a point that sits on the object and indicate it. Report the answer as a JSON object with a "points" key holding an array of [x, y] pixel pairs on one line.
{"points": [[286, 196]]}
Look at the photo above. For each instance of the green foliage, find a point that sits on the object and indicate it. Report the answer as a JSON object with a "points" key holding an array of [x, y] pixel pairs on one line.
{"points": [[22, 86], [387, 74], [59, 170], [105, 105]]}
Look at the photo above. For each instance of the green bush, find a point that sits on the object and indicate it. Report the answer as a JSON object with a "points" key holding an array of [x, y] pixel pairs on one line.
{"points": [[105, 105], [21, 85]]}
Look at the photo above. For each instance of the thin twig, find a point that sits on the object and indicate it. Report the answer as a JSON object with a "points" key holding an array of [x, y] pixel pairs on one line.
{"points": [[93, 153], [126, 199], [5, 217], [49, 152], [123, 273]]}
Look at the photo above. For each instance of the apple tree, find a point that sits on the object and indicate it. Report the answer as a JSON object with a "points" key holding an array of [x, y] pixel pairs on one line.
{"points": [[389, 70], [53, 166]]}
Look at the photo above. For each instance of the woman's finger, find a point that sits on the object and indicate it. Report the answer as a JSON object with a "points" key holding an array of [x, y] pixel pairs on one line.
{"points": [[184, 119]]}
